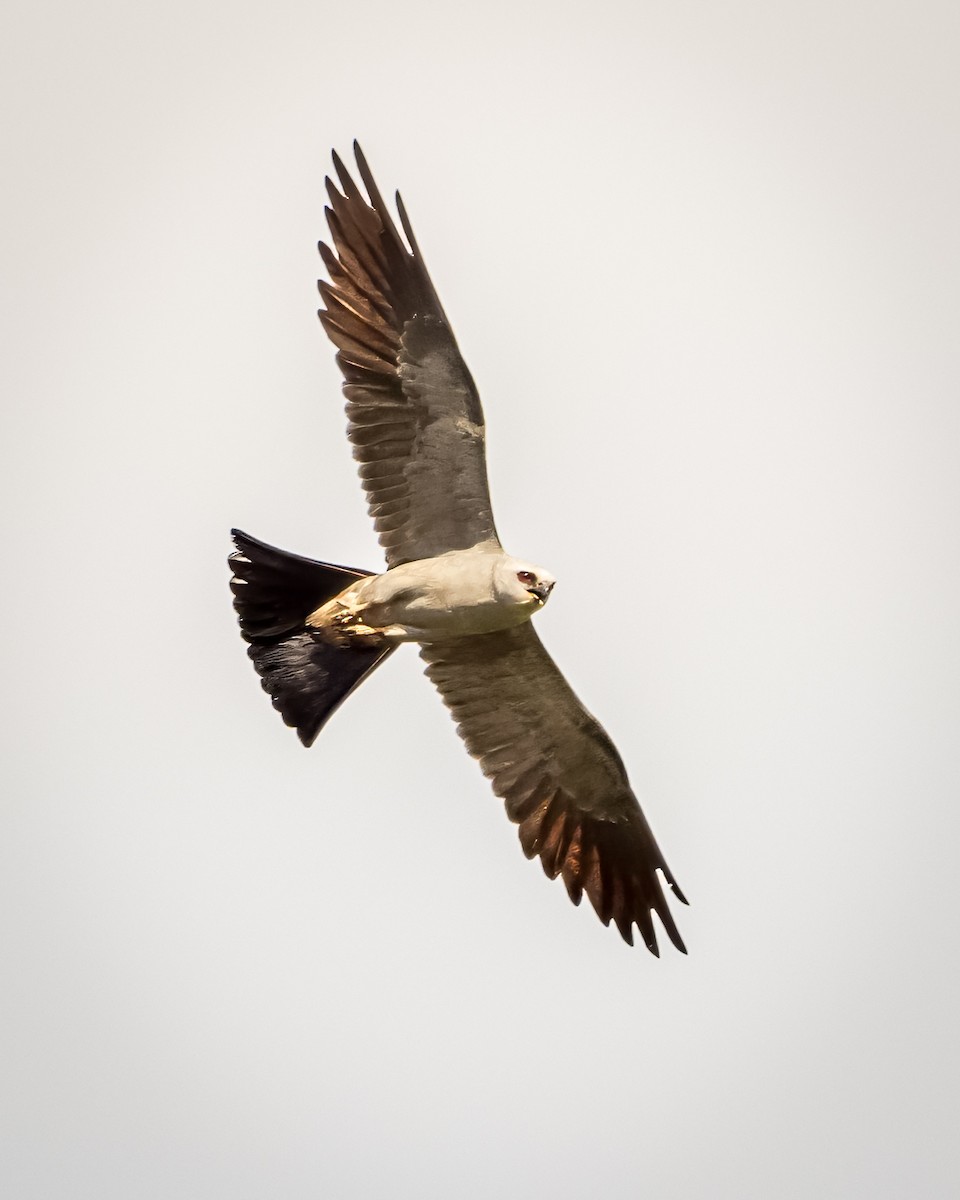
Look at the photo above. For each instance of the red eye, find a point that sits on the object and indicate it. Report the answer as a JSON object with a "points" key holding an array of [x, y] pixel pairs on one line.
{"points": [[526, 577]]}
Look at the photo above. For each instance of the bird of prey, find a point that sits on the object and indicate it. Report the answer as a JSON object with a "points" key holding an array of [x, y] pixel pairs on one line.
{"points": [[316, 630]]}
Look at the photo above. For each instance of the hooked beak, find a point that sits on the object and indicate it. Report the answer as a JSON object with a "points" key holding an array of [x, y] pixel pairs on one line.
{"points": [[541, 591]]}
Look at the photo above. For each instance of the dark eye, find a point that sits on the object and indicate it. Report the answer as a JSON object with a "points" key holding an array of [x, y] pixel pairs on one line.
{"points": [[526, 577]]}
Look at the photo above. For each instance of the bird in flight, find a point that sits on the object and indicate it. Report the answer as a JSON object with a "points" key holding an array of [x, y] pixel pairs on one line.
{"points": [[316, 630]]}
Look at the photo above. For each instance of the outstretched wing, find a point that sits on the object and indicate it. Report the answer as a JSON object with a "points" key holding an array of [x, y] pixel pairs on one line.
{"points": [[559, 774], [414, 414]]}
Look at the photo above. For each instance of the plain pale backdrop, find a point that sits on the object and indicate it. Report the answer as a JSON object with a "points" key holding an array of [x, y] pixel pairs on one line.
{"points": [[703, 260]]}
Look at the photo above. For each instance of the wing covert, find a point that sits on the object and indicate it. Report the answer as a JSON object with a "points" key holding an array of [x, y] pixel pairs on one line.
{"points": [[559, 774], [414, 414]]}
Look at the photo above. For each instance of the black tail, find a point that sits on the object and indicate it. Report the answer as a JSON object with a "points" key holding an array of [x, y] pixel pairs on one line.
{"points": [[274, 592]]}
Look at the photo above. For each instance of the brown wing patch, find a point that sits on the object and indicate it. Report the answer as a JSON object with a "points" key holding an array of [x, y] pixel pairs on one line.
{"points": [[602, 859]]}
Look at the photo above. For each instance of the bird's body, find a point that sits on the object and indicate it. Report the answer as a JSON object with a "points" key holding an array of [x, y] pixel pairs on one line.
{"points": [[316, 630], [457, 594]]}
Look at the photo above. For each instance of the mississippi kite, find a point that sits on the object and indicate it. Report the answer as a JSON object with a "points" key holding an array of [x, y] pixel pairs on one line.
{"points": [[315, 630]]}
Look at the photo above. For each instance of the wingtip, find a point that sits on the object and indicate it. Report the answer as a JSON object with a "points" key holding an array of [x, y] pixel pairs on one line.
{"points": [[674, 936], [375, 200], [672, 883], [330, 260], [679, 895], [407, 227]]}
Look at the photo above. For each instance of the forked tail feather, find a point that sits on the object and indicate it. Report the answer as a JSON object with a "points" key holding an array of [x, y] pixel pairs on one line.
{"points": [[274, 592]]}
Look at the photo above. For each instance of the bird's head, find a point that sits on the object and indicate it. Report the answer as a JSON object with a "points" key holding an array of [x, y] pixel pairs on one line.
{"points": [[522, 583]]}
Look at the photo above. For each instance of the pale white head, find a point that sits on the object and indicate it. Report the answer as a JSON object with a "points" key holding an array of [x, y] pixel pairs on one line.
{"points": [[518, 582]]}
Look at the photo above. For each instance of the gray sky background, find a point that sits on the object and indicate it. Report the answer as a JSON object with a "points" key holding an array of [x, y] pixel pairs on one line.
{"points": [[703, 261]]}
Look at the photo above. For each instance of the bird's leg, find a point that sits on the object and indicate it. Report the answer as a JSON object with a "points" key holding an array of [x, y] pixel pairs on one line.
{"points": [[342, 624]]}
